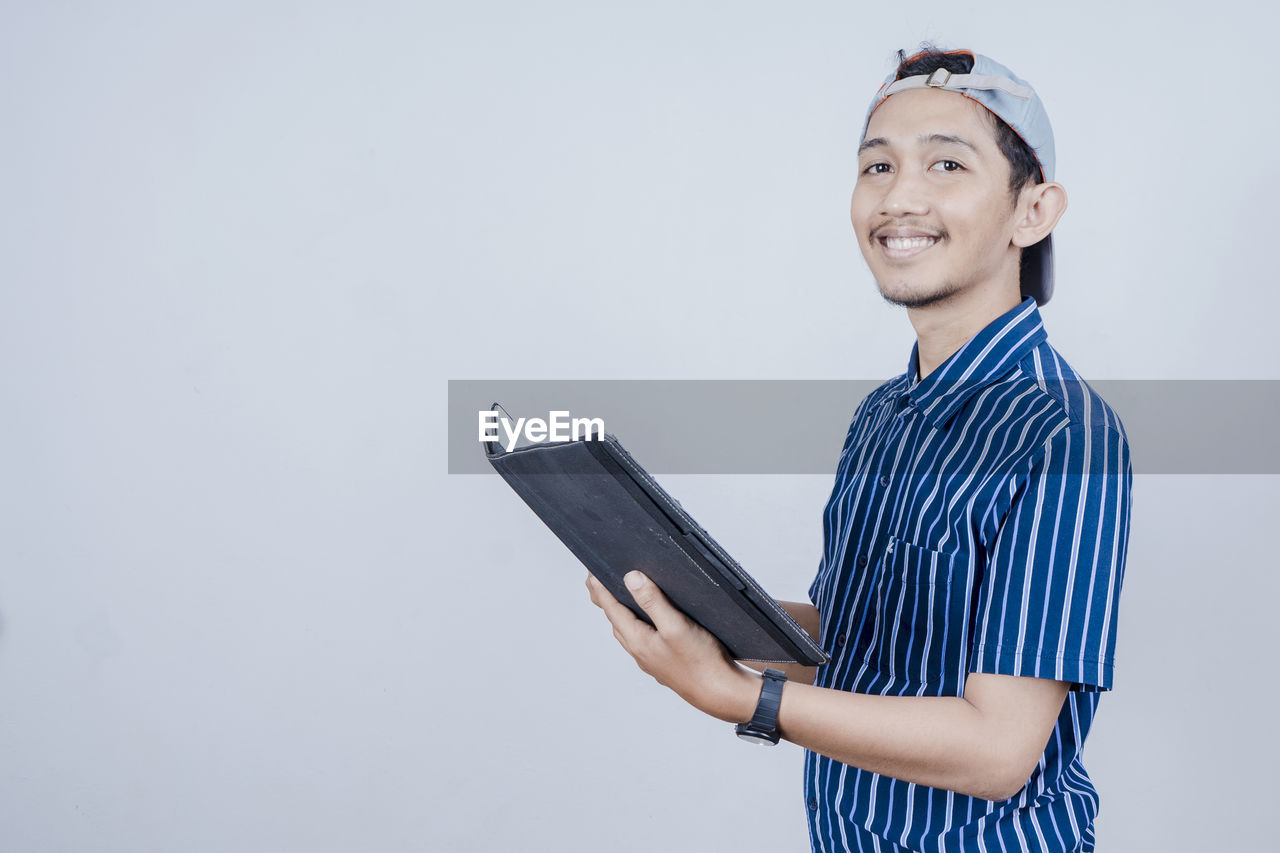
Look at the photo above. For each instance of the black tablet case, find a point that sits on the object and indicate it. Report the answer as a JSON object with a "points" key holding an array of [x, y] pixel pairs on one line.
{"points": [[614, 517]]}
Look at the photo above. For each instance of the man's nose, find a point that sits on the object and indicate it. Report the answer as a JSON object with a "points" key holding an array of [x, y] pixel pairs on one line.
{"points": [[904, 195]]}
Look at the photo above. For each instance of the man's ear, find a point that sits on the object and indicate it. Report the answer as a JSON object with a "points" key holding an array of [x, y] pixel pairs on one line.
{"points": [[1040, 206]]}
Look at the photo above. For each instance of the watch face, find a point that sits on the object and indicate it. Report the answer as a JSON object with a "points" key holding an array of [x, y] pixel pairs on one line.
{"points": [[756, 737]]}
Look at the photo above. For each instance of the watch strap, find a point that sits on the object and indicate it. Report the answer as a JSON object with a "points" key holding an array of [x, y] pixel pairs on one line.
{"points": [[763, 724]]}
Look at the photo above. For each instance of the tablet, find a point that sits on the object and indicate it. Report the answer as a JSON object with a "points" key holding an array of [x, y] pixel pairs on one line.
{"points": [[615, 517]]}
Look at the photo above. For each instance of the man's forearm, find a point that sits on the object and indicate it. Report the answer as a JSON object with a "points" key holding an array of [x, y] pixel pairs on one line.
{"points": [[980, 747], [985, 744], [939, 741]]}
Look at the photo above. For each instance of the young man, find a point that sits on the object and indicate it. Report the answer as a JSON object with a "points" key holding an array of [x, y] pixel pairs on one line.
{"points": [[975, 539]]}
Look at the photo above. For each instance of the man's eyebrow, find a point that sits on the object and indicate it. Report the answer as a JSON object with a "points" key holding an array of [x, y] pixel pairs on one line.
{"points": [[872, 143], [947, 139]]}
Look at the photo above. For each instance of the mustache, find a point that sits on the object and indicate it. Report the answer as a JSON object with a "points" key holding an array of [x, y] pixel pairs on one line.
{"points": [[874, 234]]}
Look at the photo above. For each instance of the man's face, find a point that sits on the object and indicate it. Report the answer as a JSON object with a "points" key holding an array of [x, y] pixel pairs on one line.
{"points": [[931, 207]]}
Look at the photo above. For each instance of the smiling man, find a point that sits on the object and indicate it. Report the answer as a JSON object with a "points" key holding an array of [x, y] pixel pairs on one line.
{"points": [[975, 538]]}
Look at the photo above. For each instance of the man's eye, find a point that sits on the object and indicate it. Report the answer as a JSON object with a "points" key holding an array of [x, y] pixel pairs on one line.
{"points": [[876, 169], [948, 166]]}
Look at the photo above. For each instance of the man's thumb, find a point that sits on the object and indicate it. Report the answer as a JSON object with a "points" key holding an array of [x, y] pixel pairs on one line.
{"points": [[641, 589], [649, 596]]}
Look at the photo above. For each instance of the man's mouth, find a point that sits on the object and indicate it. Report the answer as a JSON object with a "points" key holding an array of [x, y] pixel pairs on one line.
{"points": [[902, 248]]}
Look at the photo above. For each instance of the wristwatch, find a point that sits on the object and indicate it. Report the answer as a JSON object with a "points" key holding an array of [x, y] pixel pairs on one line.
{"points": [[763, 727]]}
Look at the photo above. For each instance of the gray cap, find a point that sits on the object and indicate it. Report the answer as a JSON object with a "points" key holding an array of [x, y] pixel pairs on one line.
{"points": [[1015, 103]]}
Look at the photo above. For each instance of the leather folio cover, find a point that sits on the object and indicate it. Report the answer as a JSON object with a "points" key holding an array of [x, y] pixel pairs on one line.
{"points": [[614, 517]]}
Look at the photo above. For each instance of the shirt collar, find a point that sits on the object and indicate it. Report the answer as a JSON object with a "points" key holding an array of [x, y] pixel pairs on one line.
{"points": [[983, 359]]}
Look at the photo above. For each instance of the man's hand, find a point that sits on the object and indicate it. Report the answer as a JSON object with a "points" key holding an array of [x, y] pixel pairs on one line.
{"points": [[678, 652]]}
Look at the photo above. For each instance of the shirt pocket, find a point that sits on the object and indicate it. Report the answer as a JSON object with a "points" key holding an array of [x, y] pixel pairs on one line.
{"points": [[921, 606]]}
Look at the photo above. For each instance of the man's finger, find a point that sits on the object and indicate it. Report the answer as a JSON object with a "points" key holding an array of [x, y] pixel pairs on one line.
{"points": [[666, 618], [621, 617]]}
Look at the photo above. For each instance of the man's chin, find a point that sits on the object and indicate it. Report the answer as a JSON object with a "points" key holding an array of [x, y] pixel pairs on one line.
{"points": [[912, 296]]}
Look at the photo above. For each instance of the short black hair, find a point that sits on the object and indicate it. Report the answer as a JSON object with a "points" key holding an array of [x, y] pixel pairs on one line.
{"points": [[1023, 165]]}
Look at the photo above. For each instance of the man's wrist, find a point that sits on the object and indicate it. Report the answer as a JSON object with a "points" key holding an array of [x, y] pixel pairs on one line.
{"points": [[742, 696]]}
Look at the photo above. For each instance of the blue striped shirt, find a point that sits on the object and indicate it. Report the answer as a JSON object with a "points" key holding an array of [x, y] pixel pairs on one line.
{"points": [[978, 523]]}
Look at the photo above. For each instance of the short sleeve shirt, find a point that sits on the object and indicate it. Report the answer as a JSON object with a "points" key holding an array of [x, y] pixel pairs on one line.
{"points": [[978, 523]]}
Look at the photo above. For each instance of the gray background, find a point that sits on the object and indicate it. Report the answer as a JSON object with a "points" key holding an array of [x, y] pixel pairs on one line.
{"points": [[243, 247], [788, 426]]}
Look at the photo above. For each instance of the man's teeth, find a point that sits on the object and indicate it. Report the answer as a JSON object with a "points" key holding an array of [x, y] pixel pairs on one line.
{"points": [[909, 242]]}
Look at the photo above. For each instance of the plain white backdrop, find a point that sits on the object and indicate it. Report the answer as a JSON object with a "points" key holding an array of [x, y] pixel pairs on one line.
{"points": [[243, 246]]}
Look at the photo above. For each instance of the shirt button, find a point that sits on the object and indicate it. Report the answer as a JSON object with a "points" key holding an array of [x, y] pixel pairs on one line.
{"points": [[884, 480], [840, 639], [862, 561], [813, 804]]}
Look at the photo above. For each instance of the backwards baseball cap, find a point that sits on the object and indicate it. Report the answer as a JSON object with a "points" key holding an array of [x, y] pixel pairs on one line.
{"points": [[1015, 103]]}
